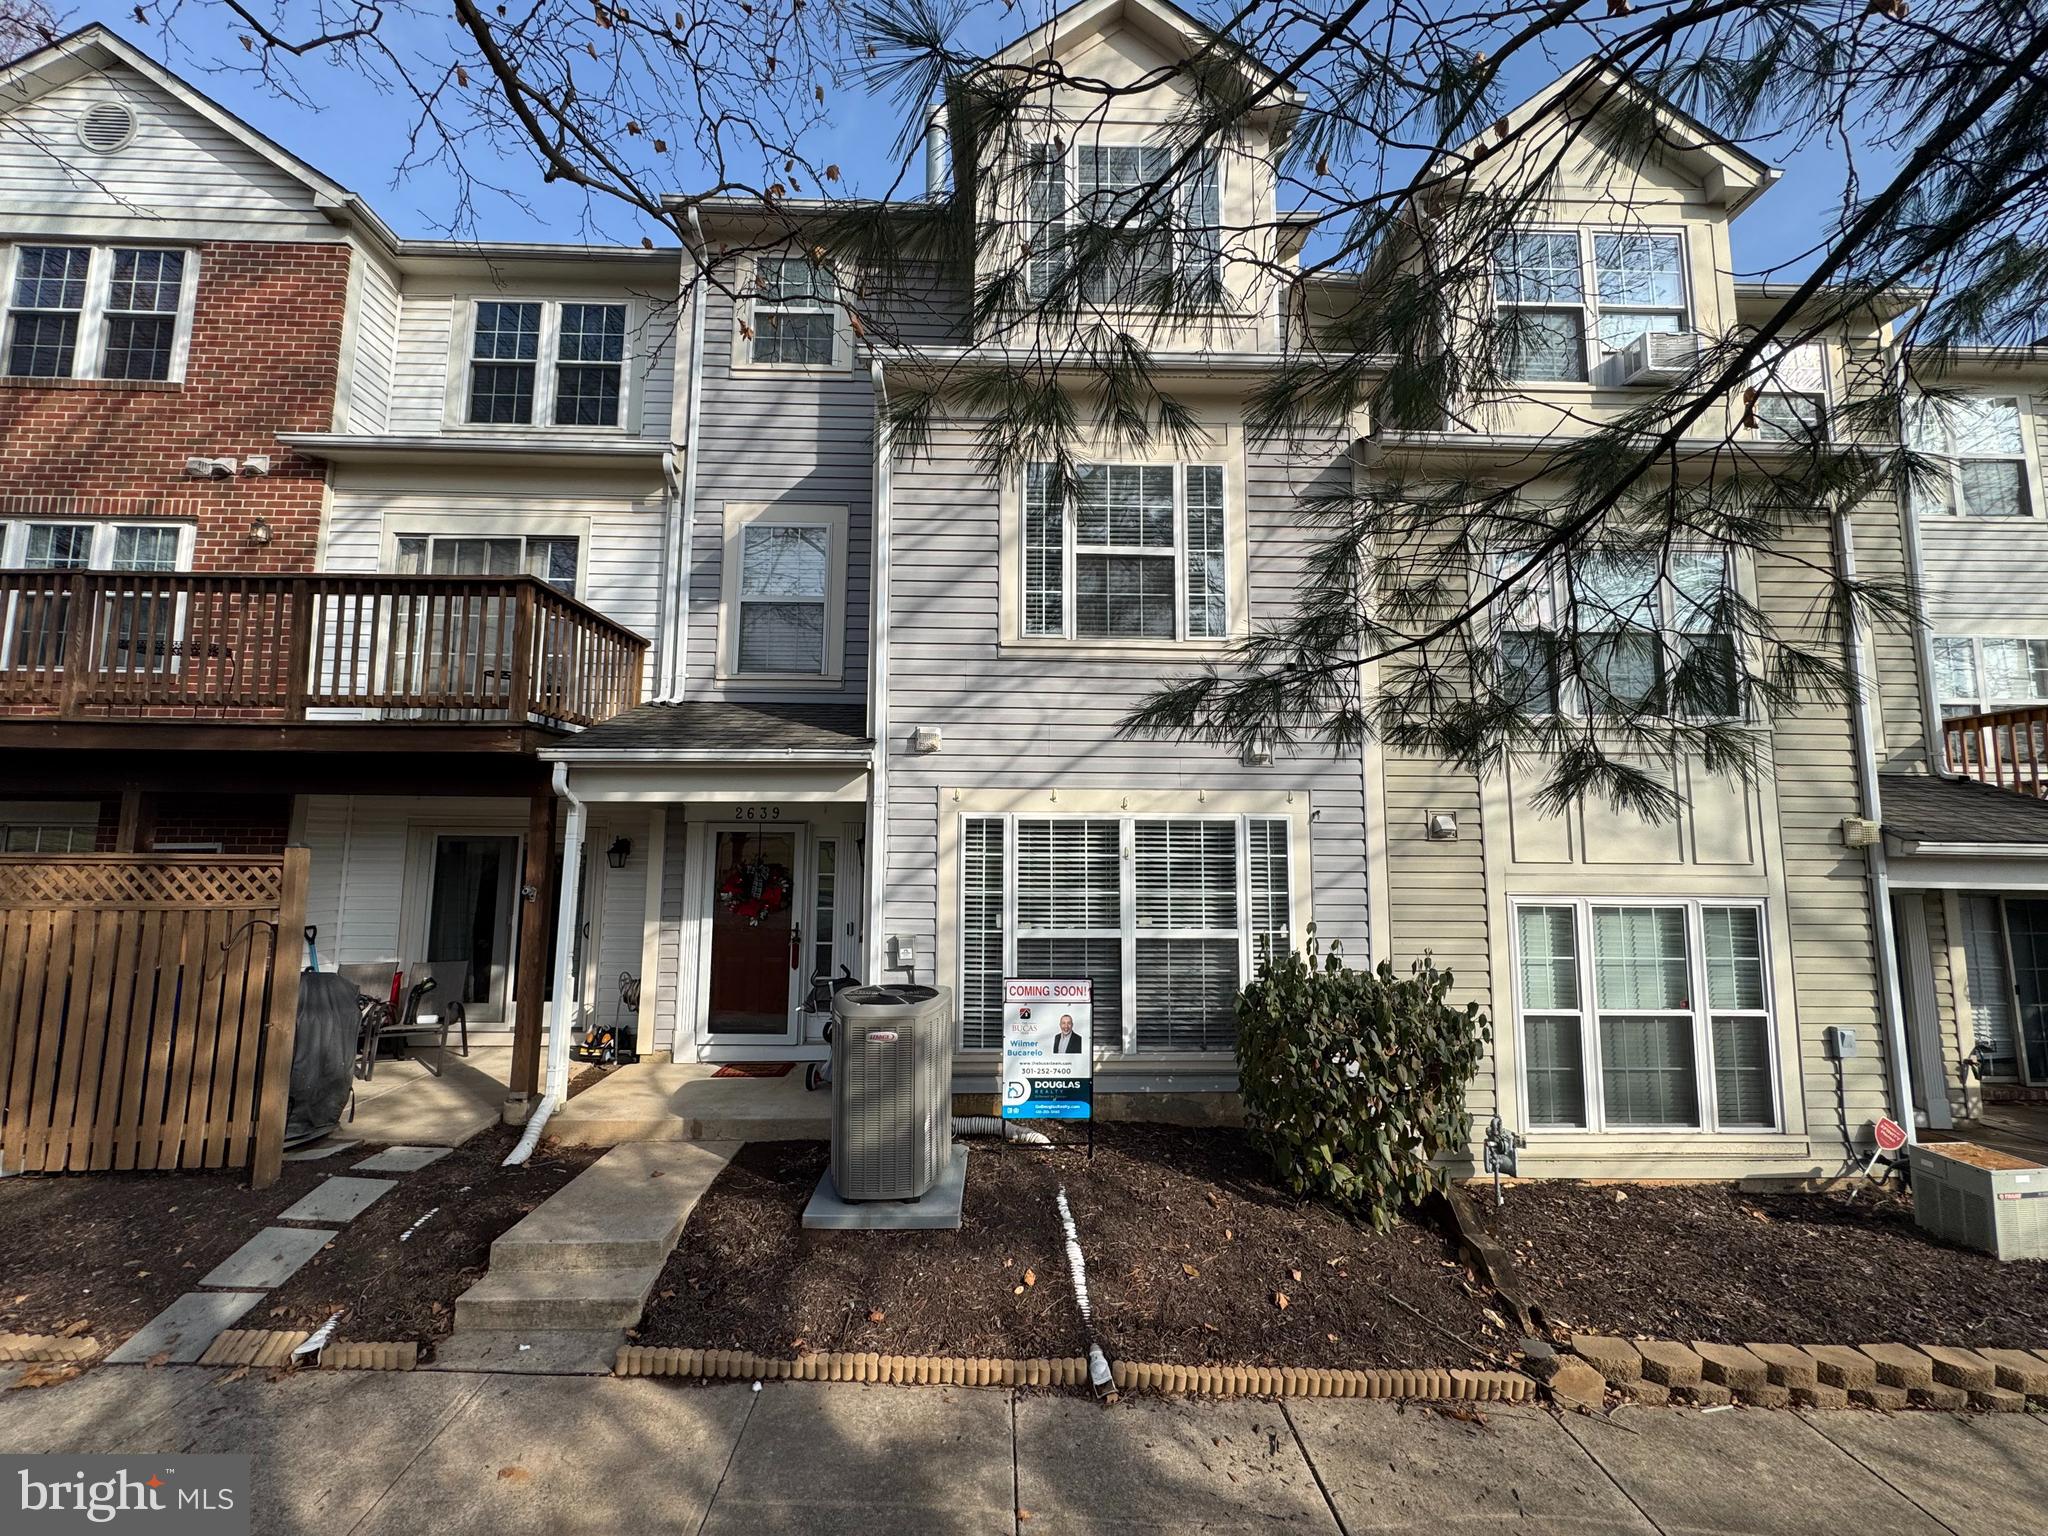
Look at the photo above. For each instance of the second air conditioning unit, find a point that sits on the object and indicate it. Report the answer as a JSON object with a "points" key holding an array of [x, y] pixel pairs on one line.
{"points": [[1658, 357]]}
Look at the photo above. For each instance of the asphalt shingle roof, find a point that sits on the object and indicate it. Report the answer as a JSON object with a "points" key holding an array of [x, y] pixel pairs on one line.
{"points": [[716, 725], [1923, 809]]}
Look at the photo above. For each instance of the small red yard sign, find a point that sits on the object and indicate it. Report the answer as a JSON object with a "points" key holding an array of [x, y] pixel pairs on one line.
{"points": [[1890, 1134]]}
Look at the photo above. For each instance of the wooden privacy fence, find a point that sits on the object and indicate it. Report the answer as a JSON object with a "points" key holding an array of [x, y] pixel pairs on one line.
{"points": [[147, 1009]]}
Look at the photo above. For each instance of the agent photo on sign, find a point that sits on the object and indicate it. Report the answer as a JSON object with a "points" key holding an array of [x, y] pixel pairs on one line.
{"points": [[1069, 1041]]}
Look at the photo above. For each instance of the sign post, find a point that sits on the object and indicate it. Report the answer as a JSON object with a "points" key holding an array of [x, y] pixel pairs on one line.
{"points": [[1049, 1050]]}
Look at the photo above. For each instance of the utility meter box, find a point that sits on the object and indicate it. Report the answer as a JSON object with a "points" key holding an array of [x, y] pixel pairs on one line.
{"points": [[1981, 1198], [892, 1090]]}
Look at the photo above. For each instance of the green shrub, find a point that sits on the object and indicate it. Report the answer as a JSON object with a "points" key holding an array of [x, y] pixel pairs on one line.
{"points": [[1354, 1081]]}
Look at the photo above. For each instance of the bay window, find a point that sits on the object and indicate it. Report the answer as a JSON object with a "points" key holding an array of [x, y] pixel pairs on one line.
{"points": [[1129, 552], [1540, 283], [87, 312], [1644, 1016], [1978, 445], [545, 361], [1168, 915]]}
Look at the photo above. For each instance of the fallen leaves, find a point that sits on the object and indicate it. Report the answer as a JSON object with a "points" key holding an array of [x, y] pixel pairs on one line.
{"points": [[46, 1375], [1280, 1300], [235, 1375], [1031, 1277], [73, 1329], [1191, 1272], [514, 1474], [877, 1315], [161, 1357]]}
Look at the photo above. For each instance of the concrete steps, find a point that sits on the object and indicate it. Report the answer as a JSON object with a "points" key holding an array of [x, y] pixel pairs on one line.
{"points": [[589, 1256], [659, 1101]]}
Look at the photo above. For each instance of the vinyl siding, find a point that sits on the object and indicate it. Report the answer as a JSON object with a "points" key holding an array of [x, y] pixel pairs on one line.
{"points": [[376, 346], [766, 436], [1892, 649], [1035, 721], [621, 906], [1984, 576], [618, 519], [179, 173], [668, 986]]}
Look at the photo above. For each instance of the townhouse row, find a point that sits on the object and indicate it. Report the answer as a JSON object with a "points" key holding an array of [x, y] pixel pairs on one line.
{"points": [[509, 575]]}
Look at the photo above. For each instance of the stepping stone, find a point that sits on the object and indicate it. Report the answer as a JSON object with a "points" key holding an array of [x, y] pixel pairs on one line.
{"points": [[184, 1329], [268, 1259], [341, 1198], [401, 1159], [313, 1151]]}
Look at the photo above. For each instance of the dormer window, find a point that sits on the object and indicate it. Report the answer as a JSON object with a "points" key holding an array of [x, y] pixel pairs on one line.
{"points": [[1541, 277], [535, 360], [1109, 182]]}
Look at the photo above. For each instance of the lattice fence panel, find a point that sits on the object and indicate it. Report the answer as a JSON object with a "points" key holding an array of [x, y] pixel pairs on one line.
{"points": [[147, 1007]]}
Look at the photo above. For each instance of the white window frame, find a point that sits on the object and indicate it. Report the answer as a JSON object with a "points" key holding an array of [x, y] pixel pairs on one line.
{"points": [[547, 360], [72, 816], [1596, 354], [1982, 700], [1070, 549], [1701, 1013], [433, 536], [1128, 933], [1066, 151], [745, 327], [14, 539], [1545, 594], [88, 357], [2029, 460], [739, 517]]}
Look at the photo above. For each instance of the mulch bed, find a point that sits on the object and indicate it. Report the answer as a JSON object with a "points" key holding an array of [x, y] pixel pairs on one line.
{"points": [[1710, 1262], [392, 1289], [115, 1249], [1188, 1249]]}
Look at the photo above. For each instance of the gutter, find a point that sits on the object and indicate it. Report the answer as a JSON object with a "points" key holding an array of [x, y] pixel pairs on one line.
{"points": [[675, 668], [876, 852], [1891, 1001], [556, 1090]]}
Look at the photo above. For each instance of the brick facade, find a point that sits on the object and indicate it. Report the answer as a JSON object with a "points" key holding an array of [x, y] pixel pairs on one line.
{"points": [[265, 356], [258, 825]]}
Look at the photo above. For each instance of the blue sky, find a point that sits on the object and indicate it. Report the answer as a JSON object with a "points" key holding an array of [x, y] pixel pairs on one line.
{"points": [[358, 137]]}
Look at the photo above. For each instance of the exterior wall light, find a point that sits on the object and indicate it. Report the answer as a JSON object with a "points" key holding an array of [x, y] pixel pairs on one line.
{"points": [[621, 849]]}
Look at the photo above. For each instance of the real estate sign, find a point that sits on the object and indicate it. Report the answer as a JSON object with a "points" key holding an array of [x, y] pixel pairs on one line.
{"points": [[1048, 1049]]}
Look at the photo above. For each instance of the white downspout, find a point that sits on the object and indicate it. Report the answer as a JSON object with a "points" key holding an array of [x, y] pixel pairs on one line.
{"points": [[1892, 1001], [675, 679], [878, 679], [556, 1089]]}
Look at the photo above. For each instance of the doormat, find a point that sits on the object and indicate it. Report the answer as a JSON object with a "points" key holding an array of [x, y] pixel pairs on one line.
{"points": [[755, 1069]]}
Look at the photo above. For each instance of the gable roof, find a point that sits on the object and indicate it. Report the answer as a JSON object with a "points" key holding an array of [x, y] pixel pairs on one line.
{"points": [[1159, 20], [1728, 171], [96, 48]]}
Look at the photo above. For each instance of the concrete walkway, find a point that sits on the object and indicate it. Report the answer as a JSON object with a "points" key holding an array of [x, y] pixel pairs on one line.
{"points": [[404, 1102], [431, 1452]]}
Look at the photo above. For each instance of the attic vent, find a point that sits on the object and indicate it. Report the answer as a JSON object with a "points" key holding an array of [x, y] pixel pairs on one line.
{"points": [[106, 127]]}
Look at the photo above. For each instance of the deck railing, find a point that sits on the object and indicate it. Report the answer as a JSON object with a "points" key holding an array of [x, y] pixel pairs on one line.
{"points": [[139, 645], [2005, 747]]}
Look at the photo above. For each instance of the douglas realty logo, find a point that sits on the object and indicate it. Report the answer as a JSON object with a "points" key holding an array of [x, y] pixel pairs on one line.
{"points": [[164, 1495]]}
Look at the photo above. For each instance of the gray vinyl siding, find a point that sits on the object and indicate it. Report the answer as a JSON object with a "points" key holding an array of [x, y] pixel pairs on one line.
{"points": [[763, 437], [1986, 575], [1036, 720], [1893, 649], [180, 173], [668, 983]]}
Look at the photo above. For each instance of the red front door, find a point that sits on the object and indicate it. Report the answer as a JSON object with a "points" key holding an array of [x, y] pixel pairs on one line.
{"points": [[754, 905]]}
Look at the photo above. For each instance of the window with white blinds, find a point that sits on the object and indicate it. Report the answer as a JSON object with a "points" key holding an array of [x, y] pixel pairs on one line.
{"points": [[1168, 916], [1125, 552], [1645, 1016]]}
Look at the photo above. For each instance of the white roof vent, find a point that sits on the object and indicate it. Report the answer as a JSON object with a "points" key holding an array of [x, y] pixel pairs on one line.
{"points": [[106, 127]]}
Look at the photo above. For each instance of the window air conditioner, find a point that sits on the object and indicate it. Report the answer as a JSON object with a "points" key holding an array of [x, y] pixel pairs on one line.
{"points": [[1658, 357]]}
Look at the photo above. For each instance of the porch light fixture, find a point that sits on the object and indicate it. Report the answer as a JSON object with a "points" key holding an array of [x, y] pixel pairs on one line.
{"points": [[621, 849], [259, 532]]}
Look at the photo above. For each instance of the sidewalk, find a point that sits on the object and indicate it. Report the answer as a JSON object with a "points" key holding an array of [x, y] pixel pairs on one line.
{"points": [[428, 1453]]}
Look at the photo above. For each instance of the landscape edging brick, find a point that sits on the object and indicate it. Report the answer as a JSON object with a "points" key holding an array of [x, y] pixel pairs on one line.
{"points": [[1958, 1374]]}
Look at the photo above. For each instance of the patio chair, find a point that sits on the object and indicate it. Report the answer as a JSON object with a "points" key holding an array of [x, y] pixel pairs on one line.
{"points": [[432, 1006], [373, 992]]}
